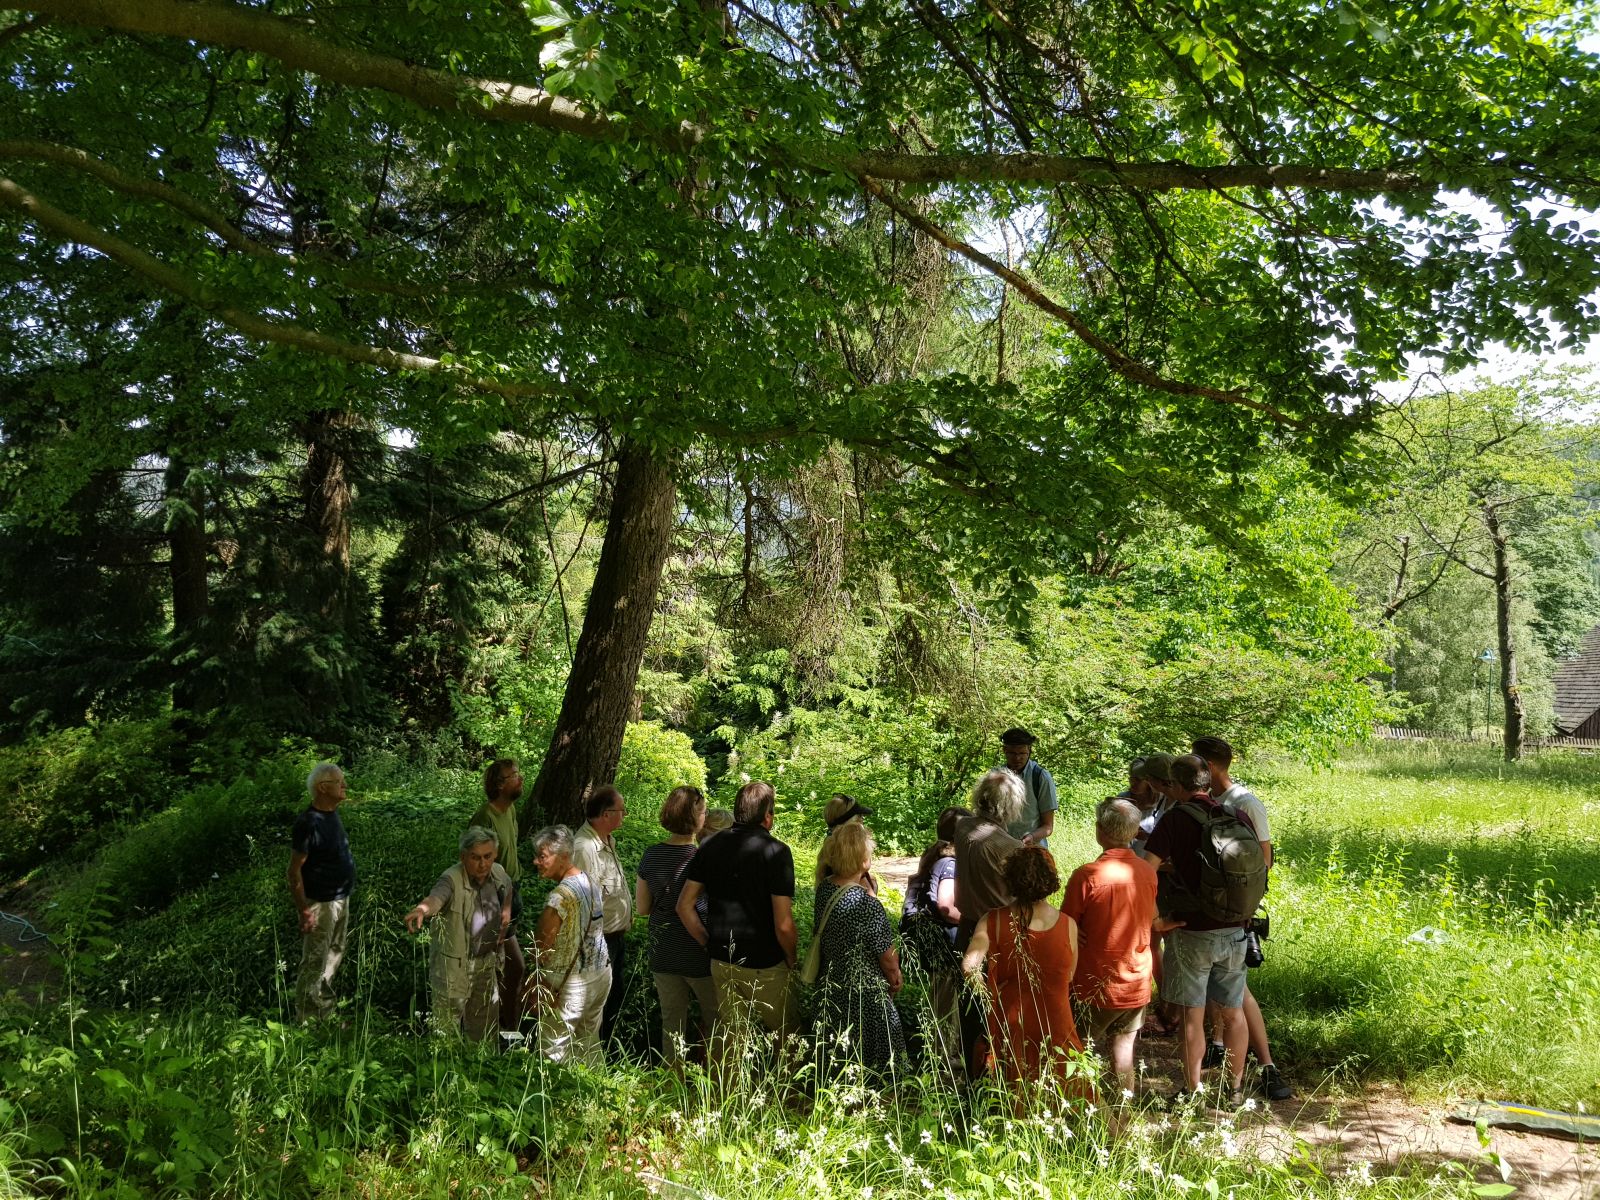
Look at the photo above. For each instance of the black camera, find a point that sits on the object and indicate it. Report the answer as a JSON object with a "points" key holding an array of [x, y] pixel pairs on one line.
{"points": [[1261, 925], [1253, 957]]}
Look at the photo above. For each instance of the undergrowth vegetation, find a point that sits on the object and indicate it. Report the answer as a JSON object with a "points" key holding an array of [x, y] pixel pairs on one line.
{"points": [[120, 1105], [1434, 917]]}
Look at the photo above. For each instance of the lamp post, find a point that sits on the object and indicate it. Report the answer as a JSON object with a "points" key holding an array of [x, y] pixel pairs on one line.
{"points": [[1486, 657]]}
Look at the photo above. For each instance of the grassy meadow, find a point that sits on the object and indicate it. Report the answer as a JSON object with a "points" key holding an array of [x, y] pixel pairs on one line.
{"points": [[1435, 919]]}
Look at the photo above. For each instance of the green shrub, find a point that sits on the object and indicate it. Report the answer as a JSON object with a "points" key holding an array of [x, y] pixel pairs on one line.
{"points": [[59, 788], [903, 762], [231, 935], [656, 760], [208, 833]]}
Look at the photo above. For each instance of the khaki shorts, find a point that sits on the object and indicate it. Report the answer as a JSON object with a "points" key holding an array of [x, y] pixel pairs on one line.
{"points": [[1100, 1025]]}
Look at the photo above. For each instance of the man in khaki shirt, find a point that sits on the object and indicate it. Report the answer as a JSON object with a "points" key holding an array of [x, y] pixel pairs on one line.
{"points": [[502, 788], [594, 852]]}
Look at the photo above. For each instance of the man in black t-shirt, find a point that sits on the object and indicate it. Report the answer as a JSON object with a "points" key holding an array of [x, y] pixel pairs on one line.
{"points": [[322, 874], [747, 878]]}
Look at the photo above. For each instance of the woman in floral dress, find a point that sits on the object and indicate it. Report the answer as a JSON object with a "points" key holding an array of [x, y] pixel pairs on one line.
{"points": [[857, 1020]]}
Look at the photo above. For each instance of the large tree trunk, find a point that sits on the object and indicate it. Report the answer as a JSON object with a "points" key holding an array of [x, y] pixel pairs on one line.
{"points": [[605, 667], [1510, 692], [325, 488], [187, 570]]}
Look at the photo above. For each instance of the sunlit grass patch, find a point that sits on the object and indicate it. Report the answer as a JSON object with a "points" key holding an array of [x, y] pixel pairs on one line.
{"points": [[1435, 918]]}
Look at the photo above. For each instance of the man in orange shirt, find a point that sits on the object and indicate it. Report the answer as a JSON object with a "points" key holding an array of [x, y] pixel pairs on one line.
{"points": [[1113, 900]]}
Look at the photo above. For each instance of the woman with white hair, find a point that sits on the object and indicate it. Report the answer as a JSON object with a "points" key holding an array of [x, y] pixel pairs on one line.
{"points": [[572, 975], [982, 848], [472, 902]]}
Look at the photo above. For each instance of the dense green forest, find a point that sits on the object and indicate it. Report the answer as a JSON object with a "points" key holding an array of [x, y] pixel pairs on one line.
{"points": [[749, 391], [667, 393]]}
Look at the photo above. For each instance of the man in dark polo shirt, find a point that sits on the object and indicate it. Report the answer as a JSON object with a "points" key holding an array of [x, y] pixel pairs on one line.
{"points": [[321, 876], [1205, 958], [747, 878]]}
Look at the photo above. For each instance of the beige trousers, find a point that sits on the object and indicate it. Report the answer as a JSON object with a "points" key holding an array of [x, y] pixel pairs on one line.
{"points": [[321, 952], [464, 995], [675, 991], [569, 1023]]}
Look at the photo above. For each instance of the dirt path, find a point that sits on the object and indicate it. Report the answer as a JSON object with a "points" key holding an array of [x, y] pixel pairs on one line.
{"points": [[1382, 1132], [1379, 1132], [26, 971], [894, 872], [1376, 1132]]}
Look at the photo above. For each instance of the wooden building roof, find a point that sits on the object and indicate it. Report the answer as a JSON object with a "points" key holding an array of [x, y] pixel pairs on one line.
{"points": [[1578, 685]]}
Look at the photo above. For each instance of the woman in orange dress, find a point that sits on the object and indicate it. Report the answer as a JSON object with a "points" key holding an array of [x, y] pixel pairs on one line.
{"points": [[1032, 951]]}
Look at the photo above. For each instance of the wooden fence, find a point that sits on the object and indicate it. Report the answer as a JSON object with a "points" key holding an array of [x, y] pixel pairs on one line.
{"points": [[1496, 737]]}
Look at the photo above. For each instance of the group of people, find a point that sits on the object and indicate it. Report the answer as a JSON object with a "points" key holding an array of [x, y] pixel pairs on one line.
{"points": [[479, 980], [1005, 963]]}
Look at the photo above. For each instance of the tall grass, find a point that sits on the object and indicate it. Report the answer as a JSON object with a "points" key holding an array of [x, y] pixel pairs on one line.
{"points": [[1436, 919], [1435, 923], [190, 1104]]}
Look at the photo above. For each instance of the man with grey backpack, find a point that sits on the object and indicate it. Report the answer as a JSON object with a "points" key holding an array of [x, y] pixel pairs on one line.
{"points": [[1217, 876]]}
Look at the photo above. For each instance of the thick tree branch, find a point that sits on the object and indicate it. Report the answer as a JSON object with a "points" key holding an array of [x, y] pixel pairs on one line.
{"points": [[136, 185], [72, 229], [1105, 172], [1115, 357], [294, 45]]}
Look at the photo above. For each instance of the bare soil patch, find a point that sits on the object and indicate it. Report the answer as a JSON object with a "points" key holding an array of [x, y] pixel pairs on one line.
{"points": [[27, 971]]}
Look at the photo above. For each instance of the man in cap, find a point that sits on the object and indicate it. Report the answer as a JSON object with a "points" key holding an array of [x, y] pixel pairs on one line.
{"points": [[1038, 819], [1149, 785]]}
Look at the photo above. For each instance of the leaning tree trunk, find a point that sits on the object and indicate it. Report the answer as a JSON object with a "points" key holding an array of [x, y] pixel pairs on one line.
{"points": [[1510, 691], [605, 667]]}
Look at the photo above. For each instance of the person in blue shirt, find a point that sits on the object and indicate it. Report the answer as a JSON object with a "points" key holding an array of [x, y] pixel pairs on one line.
{"points": [[1038, 819]]}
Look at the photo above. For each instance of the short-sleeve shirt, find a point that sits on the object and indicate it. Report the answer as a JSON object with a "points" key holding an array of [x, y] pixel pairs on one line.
{"points": [[1147, 825], [505, 829], [742, 869], [924, 901], [597, 858], [580, 945], [1241, 799], [982, 848], [1177, 841], [855, 938], [672, 950], [329, 872], [1113, 900], [1040, 798], [944, 871]]}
